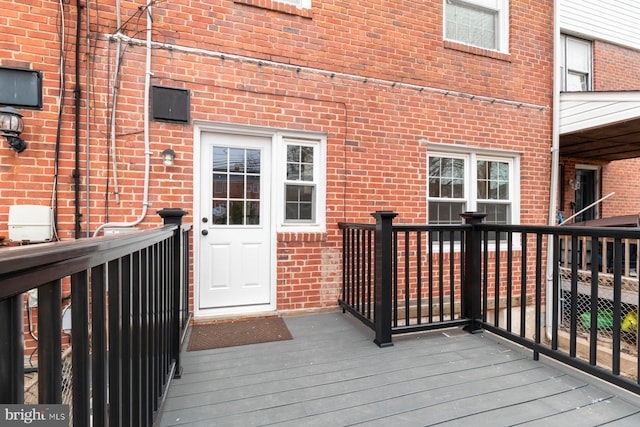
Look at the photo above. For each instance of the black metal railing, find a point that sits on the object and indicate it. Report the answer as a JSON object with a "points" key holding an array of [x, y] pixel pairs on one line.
{"points": [[129, 313], [408, 278]]}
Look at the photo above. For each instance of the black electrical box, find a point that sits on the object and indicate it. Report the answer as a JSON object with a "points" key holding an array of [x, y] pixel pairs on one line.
{"points": [[170, 104], [20, 88]]}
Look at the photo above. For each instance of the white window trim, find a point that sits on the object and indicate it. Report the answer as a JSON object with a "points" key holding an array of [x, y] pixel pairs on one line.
{"points": [[471, 156], [501, 6], [320, 166], [564, 39]]}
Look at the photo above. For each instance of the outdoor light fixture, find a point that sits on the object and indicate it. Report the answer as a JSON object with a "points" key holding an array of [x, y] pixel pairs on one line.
{"points": [[11, 125], [574, 184], [167, 157]]}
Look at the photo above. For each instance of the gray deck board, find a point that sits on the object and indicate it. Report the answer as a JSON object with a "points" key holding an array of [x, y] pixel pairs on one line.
{"points": [[331, 374]]}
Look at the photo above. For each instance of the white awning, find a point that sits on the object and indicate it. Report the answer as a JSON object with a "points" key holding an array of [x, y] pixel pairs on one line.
{"points": [[600, 125]]}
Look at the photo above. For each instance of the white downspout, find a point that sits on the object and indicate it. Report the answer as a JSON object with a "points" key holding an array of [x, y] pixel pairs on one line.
{"points": [[555, 165], [147, 151]]}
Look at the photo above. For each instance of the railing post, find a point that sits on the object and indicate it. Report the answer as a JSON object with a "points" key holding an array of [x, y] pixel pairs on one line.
{"points": [[471, 287], [383, 276], [174, 216], [11, 350]]}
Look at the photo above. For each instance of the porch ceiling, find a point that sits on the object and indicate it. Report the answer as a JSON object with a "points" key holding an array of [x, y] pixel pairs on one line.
{"points": [[600, 125]]}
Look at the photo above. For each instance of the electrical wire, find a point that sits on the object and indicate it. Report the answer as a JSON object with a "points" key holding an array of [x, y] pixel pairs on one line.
{"points": [[61, 24]]}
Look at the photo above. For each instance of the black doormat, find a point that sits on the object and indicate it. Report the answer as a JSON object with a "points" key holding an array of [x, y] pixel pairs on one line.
{"points": [[238, 332]]}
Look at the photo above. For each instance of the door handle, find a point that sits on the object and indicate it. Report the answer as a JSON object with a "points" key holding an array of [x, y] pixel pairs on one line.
{"points": [[205, 219], [205, 232]]}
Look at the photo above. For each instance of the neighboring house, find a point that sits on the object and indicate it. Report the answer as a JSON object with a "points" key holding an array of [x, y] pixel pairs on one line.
{"points": [[599, 106], [287, 117]]}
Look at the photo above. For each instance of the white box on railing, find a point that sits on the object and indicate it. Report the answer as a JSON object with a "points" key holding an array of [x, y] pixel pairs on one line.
{"points": [[30, 223]]}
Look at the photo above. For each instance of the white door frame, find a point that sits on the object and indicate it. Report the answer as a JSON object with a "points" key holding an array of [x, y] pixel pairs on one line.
{"points": [[199, 129], [597, 195]]}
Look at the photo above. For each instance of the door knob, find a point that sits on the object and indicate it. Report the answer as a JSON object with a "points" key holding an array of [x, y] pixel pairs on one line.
{"points": [[205, 232], [205, 219]]}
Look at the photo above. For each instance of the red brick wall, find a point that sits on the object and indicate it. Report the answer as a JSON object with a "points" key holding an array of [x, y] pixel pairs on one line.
{"points": [[615, 67], [378, 81]]}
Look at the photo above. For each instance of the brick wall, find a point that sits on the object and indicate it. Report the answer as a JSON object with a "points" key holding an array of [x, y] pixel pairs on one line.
{"points": [[615, 67], [379, 82]]}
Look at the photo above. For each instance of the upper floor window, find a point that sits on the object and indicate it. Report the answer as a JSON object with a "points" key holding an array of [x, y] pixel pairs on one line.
{"points": [[459, 182], [481, 23], [575, 64], [303, 4]]}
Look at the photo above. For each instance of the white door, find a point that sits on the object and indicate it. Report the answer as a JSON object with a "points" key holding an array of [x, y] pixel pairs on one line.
{"points": [[235, 247]]}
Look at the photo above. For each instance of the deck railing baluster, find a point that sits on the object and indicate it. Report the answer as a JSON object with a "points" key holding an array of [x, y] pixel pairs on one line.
{"points": [[81, 350], [49, 343], [11, 349]]}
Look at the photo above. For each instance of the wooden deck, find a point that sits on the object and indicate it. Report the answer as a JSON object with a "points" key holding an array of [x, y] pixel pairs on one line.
{"points": [[332, 374]]}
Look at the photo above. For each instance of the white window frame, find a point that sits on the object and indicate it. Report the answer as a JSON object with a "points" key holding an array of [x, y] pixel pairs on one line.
{"points": [[471, 156], [300, 4], [465, 196], [565, 40], [319, 182], [500, 7]]}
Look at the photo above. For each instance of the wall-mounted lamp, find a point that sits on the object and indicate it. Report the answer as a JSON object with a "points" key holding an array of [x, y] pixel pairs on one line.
{"points": [[168, 156], [11, 125], [574, 184]]}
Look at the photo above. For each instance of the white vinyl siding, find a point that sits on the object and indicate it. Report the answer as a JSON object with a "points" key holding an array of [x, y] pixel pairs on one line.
{"points": [[614, 21]]}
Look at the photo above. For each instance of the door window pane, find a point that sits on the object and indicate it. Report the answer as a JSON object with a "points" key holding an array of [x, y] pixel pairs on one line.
{"points": [[236, 160], [253, 187], [220, 160], [236, 186], [236, 213], [219, 212], [253, 213], [253, 161], [219, 186]]}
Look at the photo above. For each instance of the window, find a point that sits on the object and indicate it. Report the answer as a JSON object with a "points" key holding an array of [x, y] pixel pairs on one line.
{"points": [[447, 196], [472, 182], [303, 4], [575, 64], [303, 183], [481, 23]]}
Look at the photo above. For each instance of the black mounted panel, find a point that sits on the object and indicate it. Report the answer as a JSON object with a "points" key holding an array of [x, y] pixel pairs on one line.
{"points": [[170, 104], [20, 88]]}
